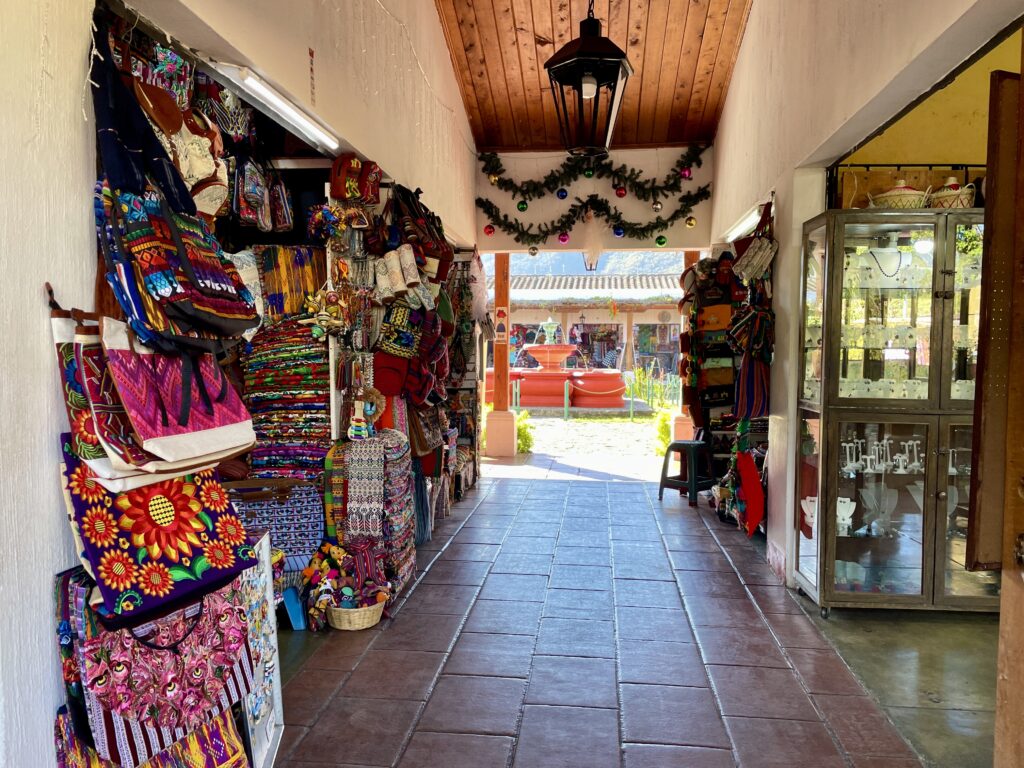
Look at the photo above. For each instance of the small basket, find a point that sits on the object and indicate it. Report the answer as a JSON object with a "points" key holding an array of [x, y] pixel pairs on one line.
{"points": [[355, 618], [953, 198], [901, 196]]}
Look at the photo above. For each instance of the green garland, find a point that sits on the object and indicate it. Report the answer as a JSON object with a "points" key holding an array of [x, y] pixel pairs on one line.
{"points": [[574, 167], [536, 234]]}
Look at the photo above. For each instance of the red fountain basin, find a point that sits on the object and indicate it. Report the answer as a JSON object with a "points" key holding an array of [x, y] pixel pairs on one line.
{"points": [[599, 389], [550, 355]]}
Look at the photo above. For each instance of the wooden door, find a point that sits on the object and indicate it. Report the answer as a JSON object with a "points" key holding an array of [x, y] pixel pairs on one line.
{"points": [[1009, 736]]}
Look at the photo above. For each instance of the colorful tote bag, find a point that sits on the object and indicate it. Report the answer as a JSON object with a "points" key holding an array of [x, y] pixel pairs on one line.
{"points": [[180, 407], [157, 546], [291, 510], [400, 332]]}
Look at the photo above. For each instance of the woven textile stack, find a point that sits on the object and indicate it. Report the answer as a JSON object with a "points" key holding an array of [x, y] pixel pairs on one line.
{"points": [[399, 510], [287, 383]]}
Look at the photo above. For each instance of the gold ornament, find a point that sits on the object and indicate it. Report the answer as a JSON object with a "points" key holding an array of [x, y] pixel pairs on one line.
{"points": [[493, 178], [691, 222]]}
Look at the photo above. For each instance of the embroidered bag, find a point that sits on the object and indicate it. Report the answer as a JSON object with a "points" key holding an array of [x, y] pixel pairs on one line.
{"points": [[400, 330], [180, 407], [281, 206], [345, 173], [156, 546], [291, 510]]}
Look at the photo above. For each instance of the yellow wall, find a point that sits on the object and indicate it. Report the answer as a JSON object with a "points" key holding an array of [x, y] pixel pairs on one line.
{"points": [[951, 125]]}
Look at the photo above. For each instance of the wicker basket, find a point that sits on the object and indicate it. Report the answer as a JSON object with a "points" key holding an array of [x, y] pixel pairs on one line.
{"points": [[355, 618], [900, 196], [961, 197]]}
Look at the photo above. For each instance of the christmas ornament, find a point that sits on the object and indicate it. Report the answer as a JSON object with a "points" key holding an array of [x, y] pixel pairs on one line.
{"points": [[493, 178], [589, 173], [657, 205], [620, 191], [534, 250], [562, 193], [661, 241], [686, 172], [489, 229], [563, 237], [522, 205], [618, 231], [691, 222]]}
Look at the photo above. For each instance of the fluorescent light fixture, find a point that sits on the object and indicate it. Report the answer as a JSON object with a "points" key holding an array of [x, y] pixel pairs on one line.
{"points": [[269, 100], [744, 226]]}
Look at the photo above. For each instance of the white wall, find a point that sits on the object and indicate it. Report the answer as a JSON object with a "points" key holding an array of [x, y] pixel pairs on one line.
{"points": [[384, 80], [654, 162], [48, 166], [812, 79]]}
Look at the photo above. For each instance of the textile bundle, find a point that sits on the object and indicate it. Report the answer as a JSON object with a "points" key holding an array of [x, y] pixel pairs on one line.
{"points": [[287, 389]]}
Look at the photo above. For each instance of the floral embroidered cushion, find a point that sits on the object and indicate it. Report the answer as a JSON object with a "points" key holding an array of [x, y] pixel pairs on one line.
{"points": [[156, 546]]}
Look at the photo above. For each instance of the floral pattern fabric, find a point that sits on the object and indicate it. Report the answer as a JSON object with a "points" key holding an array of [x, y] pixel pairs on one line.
{"points": [[155, 544], [170, 674]]}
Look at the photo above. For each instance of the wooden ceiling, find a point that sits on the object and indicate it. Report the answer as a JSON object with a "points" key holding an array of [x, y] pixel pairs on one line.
{"points": [[682, 52]]}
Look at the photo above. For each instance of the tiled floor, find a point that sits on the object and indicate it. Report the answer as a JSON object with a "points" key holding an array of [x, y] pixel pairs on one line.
{"points": [[583, 623]]}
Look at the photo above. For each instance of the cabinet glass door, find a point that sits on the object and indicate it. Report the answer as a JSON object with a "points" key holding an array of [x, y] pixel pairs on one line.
{"points": [[965, 310], [879, 509], [952, 508], [814, 313], [808, 461], [885, 316]]}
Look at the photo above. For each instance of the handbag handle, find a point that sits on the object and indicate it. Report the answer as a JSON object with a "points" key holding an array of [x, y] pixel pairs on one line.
{"points": [[173, 647]]}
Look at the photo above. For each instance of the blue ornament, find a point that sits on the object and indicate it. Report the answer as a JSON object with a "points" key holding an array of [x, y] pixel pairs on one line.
{"points": [[618, 231], [562, 193]]}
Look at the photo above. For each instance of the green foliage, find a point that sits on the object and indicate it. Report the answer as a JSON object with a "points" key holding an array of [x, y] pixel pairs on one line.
{"points": [[663, 431], [657, 390], [524, 433]]}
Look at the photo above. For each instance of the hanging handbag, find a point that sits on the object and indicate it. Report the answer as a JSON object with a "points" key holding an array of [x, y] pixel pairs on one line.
{"points": [[281, 206], [156, 546], [180, 408], [400, 330], [291, 510], [344, 178], [756, 251]]}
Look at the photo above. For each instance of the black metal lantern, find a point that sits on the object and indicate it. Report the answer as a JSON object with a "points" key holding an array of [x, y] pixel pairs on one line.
{"points": [[588, 77]]}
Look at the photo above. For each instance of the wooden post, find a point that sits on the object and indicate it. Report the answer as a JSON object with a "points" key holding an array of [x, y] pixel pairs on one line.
{"points": [[501, 422]]}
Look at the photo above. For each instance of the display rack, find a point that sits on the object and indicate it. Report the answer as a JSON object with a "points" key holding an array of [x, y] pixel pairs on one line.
{"points": [[891, 310]]}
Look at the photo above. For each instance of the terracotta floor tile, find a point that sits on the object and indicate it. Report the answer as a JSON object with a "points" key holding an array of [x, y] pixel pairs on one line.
{"points": [[579, 604], [773, 599], [662, 756], [456, 750], [710, 584], [347, 643], [796, 631], [394, 675], [440, 598], [551, 736], [762, 742], [573, 681], [291, 736], [761, 692], [660, 663], [361, 731], [646, 594], [488, 655], [480, 536], [575, 637], [583, 556], [658, 714], [480, 552], [758, 573], [722, 612], [534, 545], [463, 572], [636, 623], [752, 646], [861, 726], [507, 617], [419, 632], [488, 705], [307, 694], [825, 672], [869, 761], [522, 562], [700, 561], [581, 577], [514, 586]]}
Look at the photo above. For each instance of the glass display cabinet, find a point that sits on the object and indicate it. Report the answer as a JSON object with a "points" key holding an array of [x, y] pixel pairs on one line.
{"points": [[890, 317]]}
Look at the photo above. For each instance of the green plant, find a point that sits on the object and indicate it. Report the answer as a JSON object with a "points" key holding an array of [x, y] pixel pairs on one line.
{"points": [[488, 407], [662, 431], [524, 433]]}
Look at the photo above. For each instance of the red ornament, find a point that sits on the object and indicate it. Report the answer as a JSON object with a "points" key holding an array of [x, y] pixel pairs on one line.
{"points": [[686, 173], [563, 237], [489, 230], [620, 191]]}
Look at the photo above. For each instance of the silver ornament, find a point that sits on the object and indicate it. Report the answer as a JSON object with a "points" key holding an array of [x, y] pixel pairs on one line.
{"points": [[534, 250], [657, 205]]}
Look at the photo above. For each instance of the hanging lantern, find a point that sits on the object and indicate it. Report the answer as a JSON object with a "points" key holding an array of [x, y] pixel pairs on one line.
{"points": [[562, 193], [588, 77], [522, 205]]}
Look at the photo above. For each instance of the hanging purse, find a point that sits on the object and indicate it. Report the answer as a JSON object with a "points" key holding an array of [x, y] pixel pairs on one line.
{"points": [[400, 330], [281, 205], [756, 252], [291, 510]]}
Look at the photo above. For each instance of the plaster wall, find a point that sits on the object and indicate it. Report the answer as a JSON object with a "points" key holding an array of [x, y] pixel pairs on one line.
{"points": [[46, 233], [595, 235], [383, 81]]}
